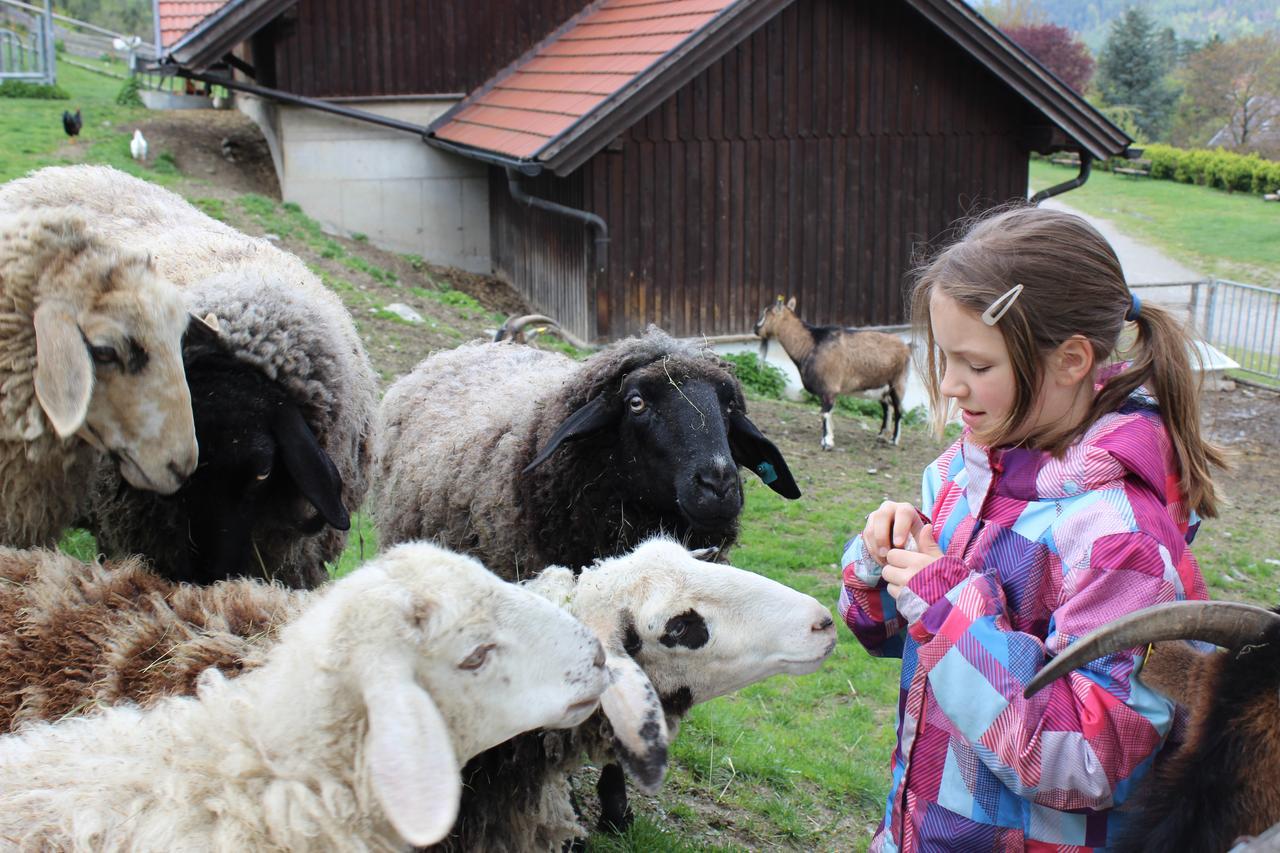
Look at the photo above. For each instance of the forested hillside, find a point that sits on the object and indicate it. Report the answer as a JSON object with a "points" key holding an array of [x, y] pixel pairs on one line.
{"points": [[1190, 19]]}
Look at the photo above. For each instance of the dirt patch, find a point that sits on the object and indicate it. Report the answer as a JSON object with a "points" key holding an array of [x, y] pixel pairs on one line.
{"points": [[223, 147]]}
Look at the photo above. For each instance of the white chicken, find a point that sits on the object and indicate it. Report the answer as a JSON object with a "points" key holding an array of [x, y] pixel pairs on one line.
{"points": [[138, 146]]}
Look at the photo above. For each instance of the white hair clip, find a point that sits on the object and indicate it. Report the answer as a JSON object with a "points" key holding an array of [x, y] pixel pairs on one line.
{"points": [[1002, 305]]}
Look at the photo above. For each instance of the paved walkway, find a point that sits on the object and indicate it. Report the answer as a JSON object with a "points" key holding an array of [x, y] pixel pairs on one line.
{"points": [[1141, 262]]}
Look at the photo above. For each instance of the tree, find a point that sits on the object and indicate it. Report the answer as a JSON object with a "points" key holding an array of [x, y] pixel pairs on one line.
{"points": [[1233, 86], [1058, 49], [1012, 13], [1132, 70]]}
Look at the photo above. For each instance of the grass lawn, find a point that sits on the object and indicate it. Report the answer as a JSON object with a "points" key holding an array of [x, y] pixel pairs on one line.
{"points": [[1225, 235], [31, 130]]}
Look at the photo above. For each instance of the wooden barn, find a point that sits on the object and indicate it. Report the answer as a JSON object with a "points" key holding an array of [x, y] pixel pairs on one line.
{"points": [[681, 162]]}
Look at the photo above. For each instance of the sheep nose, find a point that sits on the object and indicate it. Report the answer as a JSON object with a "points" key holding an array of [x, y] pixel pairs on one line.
{"points": [[719, 482], [823, 624]]}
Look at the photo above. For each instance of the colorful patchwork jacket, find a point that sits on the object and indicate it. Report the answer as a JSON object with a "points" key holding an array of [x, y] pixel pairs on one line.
{"points": [[1038, 551]]}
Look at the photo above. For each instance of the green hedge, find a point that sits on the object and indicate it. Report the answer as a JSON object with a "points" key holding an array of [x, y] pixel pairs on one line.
{"points": [[1214, 167], [756, 375], [37, 91]]}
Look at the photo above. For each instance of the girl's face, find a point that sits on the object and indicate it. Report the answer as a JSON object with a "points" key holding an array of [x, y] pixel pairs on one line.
{"points": [[979, 374]]}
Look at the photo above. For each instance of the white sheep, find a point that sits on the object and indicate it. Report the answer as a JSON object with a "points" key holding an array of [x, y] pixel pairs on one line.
{"points": [[90, 369], [287, 344], [348, 737], [697, 630]]}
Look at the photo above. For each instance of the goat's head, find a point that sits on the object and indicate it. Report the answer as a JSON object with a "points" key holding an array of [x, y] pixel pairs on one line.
{"points": [[696, 630], [675, 430], [109, 364], [447, 661], [261, 472], [772, 316]]}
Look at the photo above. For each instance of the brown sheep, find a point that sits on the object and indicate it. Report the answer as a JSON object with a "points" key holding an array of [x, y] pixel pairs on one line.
{"points": [[834, 361]]}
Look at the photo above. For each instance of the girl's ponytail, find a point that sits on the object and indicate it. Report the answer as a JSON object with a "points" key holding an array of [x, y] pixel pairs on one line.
{"points": [[1161, 361]]}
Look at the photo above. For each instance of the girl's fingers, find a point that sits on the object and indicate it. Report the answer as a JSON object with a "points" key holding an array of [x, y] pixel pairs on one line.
{"points": [[894, 590], [905, 520]]}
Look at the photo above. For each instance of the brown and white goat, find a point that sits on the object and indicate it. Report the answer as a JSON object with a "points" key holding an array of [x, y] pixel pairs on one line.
{"points": [[1223, 781], [835, 361]]}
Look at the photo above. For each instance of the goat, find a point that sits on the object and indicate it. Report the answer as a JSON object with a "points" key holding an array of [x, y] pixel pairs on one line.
{"points": [[1223, 781], [835, 361]]}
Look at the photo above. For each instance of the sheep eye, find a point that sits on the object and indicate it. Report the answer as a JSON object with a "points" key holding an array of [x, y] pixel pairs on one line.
{"points": [[636, 403], [104, 354], [262, 475], [477, 658]]}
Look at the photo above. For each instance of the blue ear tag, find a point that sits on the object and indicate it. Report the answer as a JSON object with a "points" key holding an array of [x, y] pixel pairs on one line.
{"points": [[766, 472]]}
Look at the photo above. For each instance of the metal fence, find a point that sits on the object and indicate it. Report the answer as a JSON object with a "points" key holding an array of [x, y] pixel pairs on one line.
{"points": [[1241, 320], [26, 43]]}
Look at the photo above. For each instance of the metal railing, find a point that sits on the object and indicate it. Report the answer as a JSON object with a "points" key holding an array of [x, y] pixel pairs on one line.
{"points": [[29, 55], [1241, 320]]}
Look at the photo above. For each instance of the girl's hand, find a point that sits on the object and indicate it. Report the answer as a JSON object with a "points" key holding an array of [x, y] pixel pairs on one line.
{"points": [[888, 527], [901, 566]]}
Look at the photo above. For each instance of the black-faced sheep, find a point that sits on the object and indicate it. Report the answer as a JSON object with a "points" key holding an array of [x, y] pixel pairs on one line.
{"points": [[526, 458], [90, 369], [1223, 781], [834, 361], [348, 737], [284, 407]]}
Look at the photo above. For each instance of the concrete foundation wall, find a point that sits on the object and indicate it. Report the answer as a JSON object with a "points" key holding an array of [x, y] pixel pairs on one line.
{"points": [[356, 177]]}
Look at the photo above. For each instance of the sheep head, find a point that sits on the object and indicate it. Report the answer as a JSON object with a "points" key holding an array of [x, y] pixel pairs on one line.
{"points": [[692, 630], [108, 357], [261, 466], [445, 660], [668, 427]]}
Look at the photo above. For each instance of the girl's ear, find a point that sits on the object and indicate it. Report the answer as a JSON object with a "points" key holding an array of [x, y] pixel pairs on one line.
{"points": [[1072, 361]]}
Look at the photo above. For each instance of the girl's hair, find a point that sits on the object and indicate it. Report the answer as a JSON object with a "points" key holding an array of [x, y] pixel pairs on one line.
{"points": [[1072, 285]]}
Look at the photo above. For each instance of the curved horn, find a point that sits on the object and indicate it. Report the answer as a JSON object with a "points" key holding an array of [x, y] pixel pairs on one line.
{"points": [[1223, 623], [513, 325]]}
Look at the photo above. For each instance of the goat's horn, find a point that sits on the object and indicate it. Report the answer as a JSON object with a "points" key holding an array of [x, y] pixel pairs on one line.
{"points": [[1223, 623], [515, 324]]}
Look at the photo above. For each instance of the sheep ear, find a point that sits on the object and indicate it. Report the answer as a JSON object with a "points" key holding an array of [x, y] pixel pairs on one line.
{"points": [[752, 450], [64, 371], [639, 724], [311, 468], [410, 759], [791, 304], [590, 418], [200, 330]]}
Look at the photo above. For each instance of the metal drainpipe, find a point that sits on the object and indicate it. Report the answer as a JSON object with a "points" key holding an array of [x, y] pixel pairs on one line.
{"points": [[592, 220], [1086, 165]]}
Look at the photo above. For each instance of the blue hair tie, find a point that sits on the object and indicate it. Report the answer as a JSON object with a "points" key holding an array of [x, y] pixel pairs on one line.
{"points": [[1135, 308]]}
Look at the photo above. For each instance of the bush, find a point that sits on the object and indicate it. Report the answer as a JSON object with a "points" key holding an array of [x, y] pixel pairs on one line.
{"points": [[756, 376], [36, 91], [128, 95], [1217, 167]]}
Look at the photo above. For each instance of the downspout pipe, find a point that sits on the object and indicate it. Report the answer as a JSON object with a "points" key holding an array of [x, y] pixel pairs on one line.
{"points": [[590, 219], [1086, 166]]}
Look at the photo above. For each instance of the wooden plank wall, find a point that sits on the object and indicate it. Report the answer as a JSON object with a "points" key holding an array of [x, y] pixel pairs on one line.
{"points": [[334, 48], [546, 257], [809, 162]]}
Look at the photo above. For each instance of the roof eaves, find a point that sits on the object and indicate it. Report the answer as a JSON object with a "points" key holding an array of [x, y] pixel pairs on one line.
{"points": [[1016, 68], [593, 131], [213, 37]]}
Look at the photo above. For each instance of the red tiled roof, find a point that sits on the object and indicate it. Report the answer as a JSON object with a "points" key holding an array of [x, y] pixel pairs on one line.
{"points": [[573, 73], [178, 17]]}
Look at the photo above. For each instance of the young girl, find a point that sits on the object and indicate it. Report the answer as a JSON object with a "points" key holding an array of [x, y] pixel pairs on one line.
{"points": [[1069, 500]]}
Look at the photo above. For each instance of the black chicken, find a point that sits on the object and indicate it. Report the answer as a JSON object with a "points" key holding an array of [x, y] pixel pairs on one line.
{"points": [[71, 123]]}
